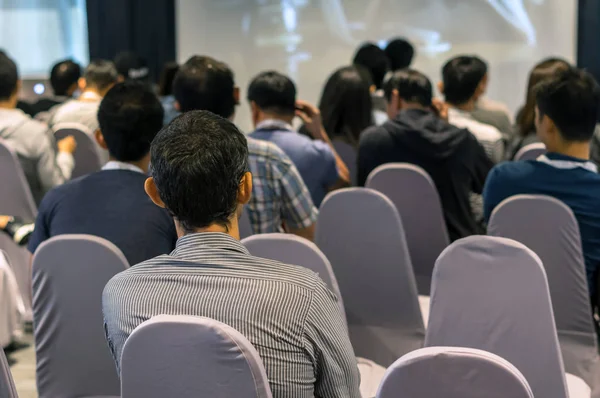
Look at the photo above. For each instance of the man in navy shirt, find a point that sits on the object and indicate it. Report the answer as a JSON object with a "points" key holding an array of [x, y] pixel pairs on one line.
{"points": [[566, 115], [112, 203]]}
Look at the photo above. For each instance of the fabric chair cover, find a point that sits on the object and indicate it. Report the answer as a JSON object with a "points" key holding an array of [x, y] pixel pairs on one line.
{"points": [[531, 151], [69, 275], [87, 153], [12, 309], [348, 154], [245, 225], [415, 196], [491, 294], [186, 356], [360, 232], [7, 385], [453, 372]]}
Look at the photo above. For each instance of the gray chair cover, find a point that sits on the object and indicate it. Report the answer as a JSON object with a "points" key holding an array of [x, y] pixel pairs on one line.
{"points": [[186, 356], [245, 226], [418, 202], [87, 156], [548, 227], [7, 385], [360, 232], [453, 372], [69, 275], [491, 294], [348, 154], [531, 151]]}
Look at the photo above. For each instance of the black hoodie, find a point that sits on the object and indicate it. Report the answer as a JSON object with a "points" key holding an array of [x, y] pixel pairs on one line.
{"points": [[452, 156]]}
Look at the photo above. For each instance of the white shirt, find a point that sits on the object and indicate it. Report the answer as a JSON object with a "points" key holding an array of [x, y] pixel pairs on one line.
{"points": [[488, 136], [116, 165]]}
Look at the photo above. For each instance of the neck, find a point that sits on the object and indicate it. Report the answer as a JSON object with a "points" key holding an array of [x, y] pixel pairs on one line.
{"points": [[467, 106], [232, 229], [90, 90], [10, 103], [579, 150], [143, 163], [272, 116]]}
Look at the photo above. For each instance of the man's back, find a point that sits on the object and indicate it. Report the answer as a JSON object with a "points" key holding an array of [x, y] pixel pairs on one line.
{"points": [[490, 137], [75, 111]]}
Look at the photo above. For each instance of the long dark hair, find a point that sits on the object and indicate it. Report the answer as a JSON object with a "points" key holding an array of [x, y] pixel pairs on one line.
{"points": [[346, 105]]}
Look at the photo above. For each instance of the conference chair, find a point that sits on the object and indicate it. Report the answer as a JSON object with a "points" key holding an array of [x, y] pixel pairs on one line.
{"points": [[348, 154], [415, 196], [245, 226], [360, 232], [549, 228], [7, 385], [531, 151], [453, 372], [187, 356], [69, 275], [12, 309], [491, 294], [87, 154]]}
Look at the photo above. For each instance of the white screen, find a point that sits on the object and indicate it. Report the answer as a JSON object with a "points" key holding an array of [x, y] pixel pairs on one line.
{"points": [[310, 39]]}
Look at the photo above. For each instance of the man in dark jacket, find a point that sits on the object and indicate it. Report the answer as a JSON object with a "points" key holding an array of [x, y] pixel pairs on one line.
{"points": [[418, 133]]}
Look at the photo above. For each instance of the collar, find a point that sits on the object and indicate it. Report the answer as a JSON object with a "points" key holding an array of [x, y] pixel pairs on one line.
{"points": [[274, 124], [89, 96], [560, 161], [455, 112], [191, 245], [116, 165]]}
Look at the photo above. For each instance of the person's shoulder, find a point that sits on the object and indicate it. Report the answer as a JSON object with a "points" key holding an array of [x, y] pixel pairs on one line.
{"points": [[291, 275], [136, 271], [266, 151], [515, 170], [485, 131]]}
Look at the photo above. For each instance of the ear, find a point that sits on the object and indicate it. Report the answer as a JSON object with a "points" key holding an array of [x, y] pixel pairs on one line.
{"points": [[393, 105], [236, 95], [177, 106], [372, 88], [152, 192], [245, 189], [100, 139], [440, 87], [82, 83]]}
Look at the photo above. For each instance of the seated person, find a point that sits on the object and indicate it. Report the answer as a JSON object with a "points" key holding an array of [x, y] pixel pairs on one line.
{"points": [[374, 61], [566, 113], [280, 200], [400, 53], [43, 167], [200, 174], [417, 134], [111, 203], [272, 98], [132, 66]]}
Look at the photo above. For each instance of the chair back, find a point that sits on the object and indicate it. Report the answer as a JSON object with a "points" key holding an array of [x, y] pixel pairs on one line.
{"points": [[7, 385], [87, 155], [245, 225], [491, 294], [415, 196], [360, 232], [531, 151], [187, 356], [15, 196], [348, 154], [69, 275]]}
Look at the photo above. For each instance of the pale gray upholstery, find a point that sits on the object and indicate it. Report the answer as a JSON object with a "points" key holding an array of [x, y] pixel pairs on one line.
{"points": [[12, 310], [7, 386], [413, 192], [349, 155], [453, 372], [87, 156], [360, 232], [186, 356], [69, 275], [245, 226], [531, 151]]}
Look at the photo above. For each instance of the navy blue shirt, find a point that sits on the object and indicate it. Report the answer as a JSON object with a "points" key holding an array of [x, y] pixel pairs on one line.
{"points": [[577, 187], [110, 204]]}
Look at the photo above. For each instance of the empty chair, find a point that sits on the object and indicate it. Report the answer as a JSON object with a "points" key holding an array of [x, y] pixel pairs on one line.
{"points": [[531, 151], [415, 196], [186, 356], [87, 154], [453, 372], [245, 226], [69, 275], [360, 232], [491, 294], [7, 385], [348, 154]]}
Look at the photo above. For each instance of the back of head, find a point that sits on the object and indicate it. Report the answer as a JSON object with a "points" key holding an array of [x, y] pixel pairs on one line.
{"points": [[130, 116], [9, 77], [64, 76], [400, 53], [571, 99], [203, 83], [461, 77], [101, 74], [198, 162], [412, 85], [132, 66], [165, 85], [273, 93], [373, 58]]}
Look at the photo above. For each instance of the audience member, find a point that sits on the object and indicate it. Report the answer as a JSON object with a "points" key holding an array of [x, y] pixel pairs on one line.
{"points": [[63, 79], [132, 66], [112, 203], [419, 133], [375, 61], [200, 174], [566, 111], [464, 81], [400, 53], [165, 90], [43, 167], [280, 200]]}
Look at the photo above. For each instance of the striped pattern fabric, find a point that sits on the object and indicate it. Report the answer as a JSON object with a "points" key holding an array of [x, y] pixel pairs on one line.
{"points": [[285, 311], [489, 137]]}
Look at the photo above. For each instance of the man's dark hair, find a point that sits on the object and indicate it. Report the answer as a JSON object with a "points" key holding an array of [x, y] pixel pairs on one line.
{"points": [[203, 83], [373, 59], [63, 75], [412, 86], [9, 76], [198, 162], [571, 98], [400, 53], [101, 74], [273, 92], [461, 76], [132, 66], [130, 116]]}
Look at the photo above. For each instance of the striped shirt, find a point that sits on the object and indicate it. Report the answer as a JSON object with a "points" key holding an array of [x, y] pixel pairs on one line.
{"points": [[285, 311], [488, 136]]}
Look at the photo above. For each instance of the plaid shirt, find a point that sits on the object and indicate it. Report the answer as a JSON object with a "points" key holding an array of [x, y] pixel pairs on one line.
{"points": [[279, 194]]}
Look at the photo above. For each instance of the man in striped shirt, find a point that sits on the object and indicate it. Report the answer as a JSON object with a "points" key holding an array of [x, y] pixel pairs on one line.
{"points": [[200, 174]]}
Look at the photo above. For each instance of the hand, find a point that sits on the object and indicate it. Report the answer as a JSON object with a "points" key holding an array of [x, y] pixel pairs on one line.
{"points": [[67, 144], [441, 108], [311, 116]]}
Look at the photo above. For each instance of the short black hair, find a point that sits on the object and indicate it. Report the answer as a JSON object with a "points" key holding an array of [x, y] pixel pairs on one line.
{"points": [[130, 116], [400, 53], [132, 66], [373, 59], [274, 92], [412, 86], [203, 83], [9, 76], [461, 76], [571, 98], [198, 161], [167, 75], [63, 75], [101, 74]]}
